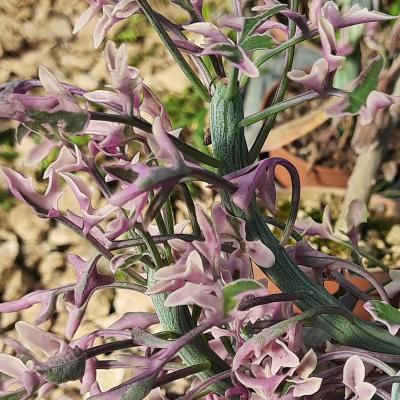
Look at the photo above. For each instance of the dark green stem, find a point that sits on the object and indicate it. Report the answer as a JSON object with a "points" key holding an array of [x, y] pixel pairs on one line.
{"points": [[191, 209], [276, 108], [280, 93], [145, 126], [232, 83], [227, 139], [175, 53]]}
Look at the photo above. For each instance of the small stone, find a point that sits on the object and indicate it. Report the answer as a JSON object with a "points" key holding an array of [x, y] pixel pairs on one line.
{"points": [[62, 236], [17, 285], [34, 252], [130, 301], [59, 27], [83, 250], [393, 237], [109, 378], [99, 304], [7, 320], [52, 264], [395, 250], [8, 253], [26, 224]]}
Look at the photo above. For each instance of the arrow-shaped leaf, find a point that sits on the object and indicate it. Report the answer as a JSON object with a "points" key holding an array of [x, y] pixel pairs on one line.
{"points": [[252, 23], [232, 290], [385, 313], [365, 84]]}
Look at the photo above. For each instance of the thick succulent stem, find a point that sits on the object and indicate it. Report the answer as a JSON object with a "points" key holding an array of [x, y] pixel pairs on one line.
{"points": [[179, 321], [229, 146]]}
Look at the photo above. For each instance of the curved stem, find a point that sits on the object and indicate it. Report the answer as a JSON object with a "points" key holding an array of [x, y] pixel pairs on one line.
{"points": [[123, 244], [169, 44], [281, 225], [387, 381], [228, 145], [89, 237], [343, 355], [191, 209], [214, 179], [280, 93], [205, 384], [151, 246], [145, 126], [197, 61]]}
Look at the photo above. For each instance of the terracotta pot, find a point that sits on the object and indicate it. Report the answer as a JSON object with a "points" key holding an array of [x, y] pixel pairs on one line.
{"points": [[332, 287], [317, 176]]}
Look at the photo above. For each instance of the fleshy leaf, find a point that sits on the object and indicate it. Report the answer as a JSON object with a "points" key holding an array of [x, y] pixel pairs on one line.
{"points": [[236, 288], [385, 313], [143, 338], [252, 23], [258, 41], [139, 390], [74, 122], [367, 82], [68, 366]]}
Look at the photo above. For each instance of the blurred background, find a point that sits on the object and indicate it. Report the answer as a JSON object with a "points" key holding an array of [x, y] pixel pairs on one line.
{"points": [[338, 160]]}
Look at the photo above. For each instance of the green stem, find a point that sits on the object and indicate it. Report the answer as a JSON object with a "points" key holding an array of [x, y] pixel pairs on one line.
{"points": [[280, 93], [191, 209], [232, 83], [227, 139], [179, 321], [276, 108], [164, 231], [145, 126], [169, 44], [168, 214], [151, 246]]}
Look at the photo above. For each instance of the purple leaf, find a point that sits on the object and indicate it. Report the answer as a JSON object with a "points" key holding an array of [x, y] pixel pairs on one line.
{"points": [[48, 299], [132, 320], [54, 87], [353, 378], [315, 80], [210, 32], [162, 146], [20, 375], [83, 194], [45, 205], [235, 55], [67, 161], [148, 178], [40, 340], [354, 16], [357, 214], [39, 152], [87, 278], [308, 227], [329, 45], [376, 101]]}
